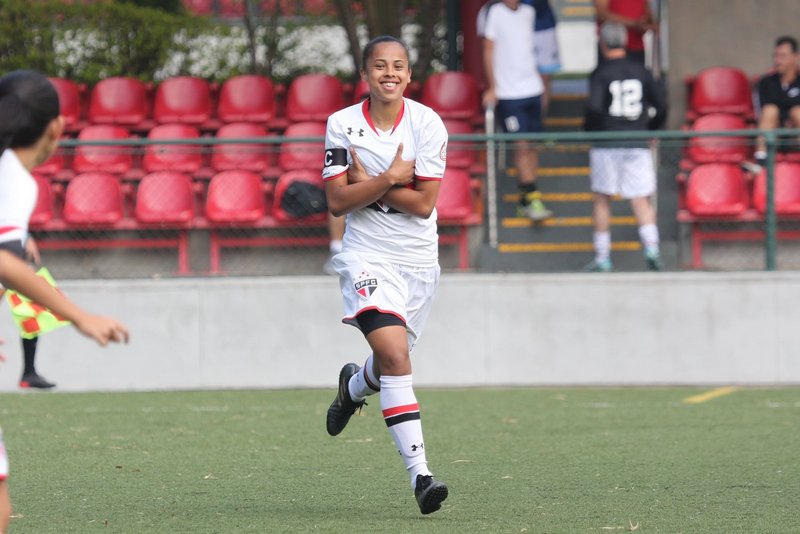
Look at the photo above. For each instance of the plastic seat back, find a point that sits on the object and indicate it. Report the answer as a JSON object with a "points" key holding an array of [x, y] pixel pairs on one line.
{"points": [[721, 90], [118, 100], [787, 189], [173, 157], [453, 95], [460, 154], [302, 155], [69, 100], [165, 198], [717, 189], [106, 158], [93, 199], [723, 149], [248, 157], [246, 98], [235, 197], [43, 211], [314, 97], [455, 196], [183, 99]]}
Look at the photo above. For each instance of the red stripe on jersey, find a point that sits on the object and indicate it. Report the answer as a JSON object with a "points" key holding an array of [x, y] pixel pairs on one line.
{"points": [[369, 308], [365, 111], [4, 229], [429, 178], [334, 177], [408, 408]]}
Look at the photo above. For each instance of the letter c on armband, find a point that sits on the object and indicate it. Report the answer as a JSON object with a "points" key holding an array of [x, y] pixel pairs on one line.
{"points": [[336, 157]]}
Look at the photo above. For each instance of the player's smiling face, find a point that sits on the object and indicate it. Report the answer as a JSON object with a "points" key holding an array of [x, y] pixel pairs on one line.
{"points": [[387, 72]]}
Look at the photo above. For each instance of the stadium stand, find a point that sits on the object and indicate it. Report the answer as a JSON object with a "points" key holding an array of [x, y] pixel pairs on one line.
{"points": [[93, 199], [453, 95], [112, 159], [456, 207], [787, 190], [314, 97], [718, 149], [43, 212], [302, 155], [121, 101], [285, 181], [186, 100]]}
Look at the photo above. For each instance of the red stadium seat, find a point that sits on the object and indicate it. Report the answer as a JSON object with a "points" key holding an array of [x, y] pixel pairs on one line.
{"points": [[43, 212], [284, 182], [719, 149], [120, 100], [199, 7], [165, 198], [787, 190], [235, 197], [69, 99], [360, 91], [183, 99], [455, 207], [302, 155], [55, 166], [717, 189], [113, 159], [314, 97], [453, 95], [180, 158], [93, 199], [245, 157], [246, 98], [460, 154], [720, 90]]}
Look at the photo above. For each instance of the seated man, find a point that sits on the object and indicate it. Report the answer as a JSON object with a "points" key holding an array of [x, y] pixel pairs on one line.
{"points": [[779, 93]]}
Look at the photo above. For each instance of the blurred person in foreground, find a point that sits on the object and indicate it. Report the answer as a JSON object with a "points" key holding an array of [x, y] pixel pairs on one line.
{"points": [[623, 97]]}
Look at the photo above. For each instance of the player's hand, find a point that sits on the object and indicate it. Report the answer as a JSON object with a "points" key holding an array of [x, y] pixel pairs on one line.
{"points": [[32, 251], [356, 173], [489, 98], [102, 329], [401, 171]]}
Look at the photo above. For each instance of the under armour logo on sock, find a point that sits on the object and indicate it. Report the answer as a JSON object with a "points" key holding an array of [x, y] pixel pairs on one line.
{"points": [[415, 448]]}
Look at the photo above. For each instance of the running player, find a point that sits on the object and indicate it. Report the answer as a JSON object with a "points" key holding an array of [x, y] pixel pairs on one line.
{"points": [[384, 162], [622, 94], [30, 127]]}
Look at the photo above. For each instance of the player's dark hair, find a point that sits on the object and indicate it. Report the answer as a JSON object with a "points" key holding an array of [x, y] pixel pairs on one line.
{"points": [[28, 103], [787, 40], [370, 48]]}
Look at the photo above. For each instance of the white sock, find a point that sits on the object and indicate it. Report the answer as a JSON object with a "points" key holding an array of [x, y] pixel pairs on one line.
{"points": [[648, 233], [335, 246], [602, 246], [364, 383], [401, 413]]}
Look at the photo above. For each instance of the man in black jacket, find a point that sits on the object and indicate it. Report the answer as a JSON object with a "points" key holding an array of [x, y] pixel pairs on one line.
{"points": [[623, 96]]}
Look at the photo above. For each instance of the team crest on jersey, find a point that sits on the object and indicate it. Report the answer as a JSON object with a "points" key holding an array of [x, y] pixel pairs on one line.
{"points": [[365, 284], [443, 151]]}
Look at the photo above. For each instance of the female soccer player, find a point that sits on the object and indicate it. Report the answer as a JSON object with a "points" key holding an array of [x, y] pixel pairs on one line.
{"points": [[384, 162], [30, 127]]}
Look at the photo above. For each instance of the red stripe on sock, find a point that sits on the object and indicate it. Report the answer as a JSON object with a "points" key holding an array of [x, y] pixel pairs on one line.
{"points": [[389, 412]]}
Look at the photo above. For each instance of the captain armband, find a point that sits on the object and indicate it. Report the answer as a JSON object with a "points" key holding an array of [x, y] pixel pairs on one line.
{"points": [[335, 157]]}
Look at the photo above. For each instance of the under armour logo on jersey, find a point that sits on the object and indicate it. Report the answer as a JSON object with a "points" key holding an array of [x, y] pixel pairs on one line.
{"points": [[360, 131]]}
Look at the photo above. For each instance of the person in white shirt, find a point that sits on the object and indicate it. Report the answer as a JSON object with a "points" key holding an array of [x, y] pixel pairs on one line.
{"points": [[384, 162], [30, 127], [514, 88]]}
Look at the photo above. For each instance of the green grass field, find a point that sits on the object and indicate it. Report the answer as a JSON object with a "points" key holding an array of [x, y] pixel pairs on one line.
{"points": [[516, 460]]}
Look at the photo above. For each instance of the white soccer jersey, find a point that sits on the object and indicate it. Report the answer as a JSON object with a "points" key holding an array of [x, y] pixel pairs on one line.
{"points": [[18, 192], [514, 58], [378, 230]]}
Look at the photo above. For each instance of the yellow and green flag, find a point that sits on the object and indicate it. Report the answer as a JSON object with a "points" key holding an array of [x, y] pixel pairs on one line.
{"points": [[31, 318]]}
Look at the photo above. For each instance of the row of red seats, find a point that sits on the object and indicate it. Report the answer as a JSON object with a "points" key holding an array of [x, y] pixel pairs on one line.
{"points": [[203, 160], [719, 90], [231, 200], [723, 192], [130, 103], [236, 8]]}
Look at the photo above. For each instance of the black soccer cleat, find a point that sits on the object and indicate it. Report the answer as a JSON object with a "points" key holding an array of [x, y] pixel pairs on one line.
{"points": [[35, 381], [429, 493], [343, 407]]}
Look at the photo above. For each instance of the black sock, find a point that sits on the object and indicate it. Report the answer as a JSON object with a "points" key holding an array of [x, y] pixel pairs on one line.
{"points": [[29, 352], [524, 190]]}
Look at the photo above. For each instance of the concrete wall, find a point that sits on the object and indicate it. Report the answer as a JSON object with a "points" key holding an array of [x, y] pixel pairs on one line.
{"points": [[737, 33], [668, 328]]}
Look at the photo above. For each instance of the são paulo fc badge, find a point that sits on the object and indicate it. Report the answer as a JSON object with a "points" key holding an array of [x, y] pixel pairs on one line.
{"points": [[365, 284]]}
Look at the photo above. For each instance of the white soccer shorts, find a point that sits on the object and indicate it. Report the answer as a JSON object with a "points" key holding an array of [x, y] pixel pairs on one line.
{"points": [[627, 172], [3, 458], [401, 290]]}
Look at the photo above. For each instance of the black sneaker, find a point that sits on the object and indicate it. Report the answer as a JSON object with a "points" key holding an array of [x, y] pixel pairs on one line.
{"points": [[343, 407], [35, 381], [429, 493]]}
